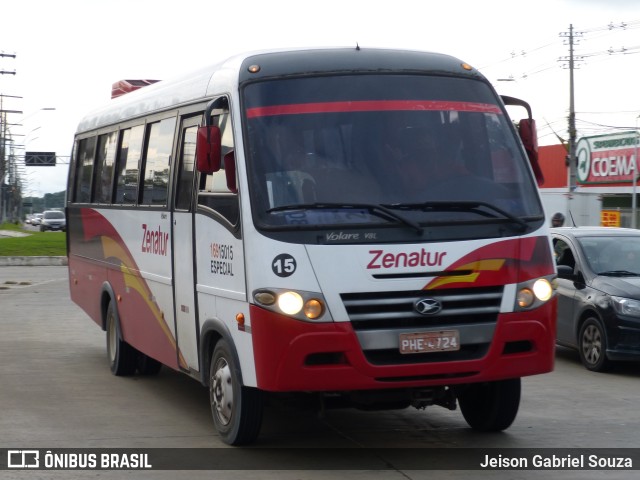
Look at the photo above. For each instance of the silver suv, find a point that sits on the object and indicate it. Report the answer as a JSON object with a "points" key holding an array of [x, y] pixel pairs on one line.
{"points": [[53, 220]]}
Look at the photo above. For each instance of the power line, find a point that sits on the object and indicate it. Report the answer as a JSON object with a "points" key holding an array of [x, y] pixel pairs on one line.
{"points": [[584, 35], [577, 40]]}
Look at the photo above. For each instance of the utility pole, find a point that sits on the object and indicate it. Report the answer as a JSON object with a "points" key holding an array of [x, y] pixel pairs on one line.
{"points": [[3, 145], [572, 117], [572, 110]]}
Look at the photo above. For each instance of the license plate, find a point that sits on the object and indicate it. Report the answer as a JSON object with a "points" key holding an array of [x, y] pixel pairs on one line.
{"points": [[425, 342]]}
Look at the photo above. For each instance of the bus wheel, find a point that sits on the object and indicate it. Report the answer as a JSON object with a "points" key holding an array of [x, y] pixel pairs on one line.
{"points": [[236, 409], [490, 406], [122, 356]]}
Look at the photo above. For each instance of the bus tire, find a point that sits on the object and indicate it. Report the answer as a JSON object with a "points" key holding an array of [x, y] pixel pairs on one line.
{"points": [[122, 356], [236, 409], [490, 406]]}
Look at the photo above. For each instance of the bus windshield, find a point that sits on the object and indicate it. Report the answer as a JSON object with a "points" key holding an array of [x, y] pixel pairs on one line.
{"points": [[394, 150]]}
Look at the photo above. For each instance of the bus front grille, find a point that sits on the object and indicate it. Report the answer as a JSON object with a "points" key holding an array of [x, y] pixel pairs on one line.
{"points": [[378, 318]]}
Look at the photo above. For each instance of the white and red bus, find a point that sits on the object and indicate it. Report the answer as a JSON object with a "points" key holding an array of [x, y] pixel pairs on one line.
{"points": [[363, 225]]}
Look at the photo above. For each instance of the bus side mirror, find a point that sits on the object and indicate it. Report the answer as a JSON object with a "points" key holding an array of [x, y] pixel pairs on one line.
{"points": [[208, 149], [529, 137], [230, 171]]}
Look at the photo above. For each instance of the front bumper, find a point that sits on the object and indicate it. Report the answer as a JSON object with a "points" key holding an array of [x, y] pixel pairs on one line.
{"points": [[291, 355]]}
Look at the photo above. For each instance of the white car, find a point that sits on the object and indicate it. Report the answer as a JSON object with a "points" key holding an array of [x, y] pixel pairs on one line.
{"points": [[53, 220]]}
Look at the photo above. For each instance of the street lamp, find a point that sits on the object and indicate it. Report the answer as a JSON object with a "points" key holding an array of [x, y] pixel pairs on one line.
{"points": [[46, 109], [21, 120], [28, 138]]}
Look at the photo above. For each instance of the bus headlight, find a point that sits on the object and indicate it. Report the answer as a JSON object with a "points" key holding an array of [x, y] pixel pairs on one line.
{"points": [[534, 293], [542, 289], [297, 304], [290, 303]]}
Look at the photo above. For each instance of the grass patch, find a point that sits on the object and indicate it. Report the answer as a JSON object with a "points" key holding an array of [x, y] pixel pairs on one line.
{"points": [[36, 244]]}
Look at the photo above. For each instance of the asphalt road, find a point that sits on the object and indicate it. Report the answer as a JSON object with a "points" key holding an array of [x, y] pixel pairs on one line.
{"points": [[56, 391]]}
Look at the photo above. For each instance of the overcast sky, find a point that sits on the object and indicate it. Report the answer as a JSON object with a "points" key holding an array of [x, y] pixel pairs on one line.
{"points": [[69, 52]]}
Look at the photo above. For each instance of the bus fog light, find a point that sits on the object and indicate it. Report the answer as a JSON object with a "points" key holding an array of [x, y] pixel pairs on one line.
{"points": [[265, 297], [290, 303], [313, 309], [542, 289], [525, 298]]}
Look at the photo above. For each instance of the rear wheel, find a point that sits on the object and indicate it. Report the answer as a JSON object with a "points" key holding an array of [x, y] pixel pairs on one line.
{"points": [[122, 356], [490, 406], [593, 346], [236, 409]]}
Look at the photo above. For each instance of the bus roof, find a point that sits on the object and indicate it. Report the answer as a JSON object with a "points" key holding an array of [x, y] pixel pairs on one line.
{"points": [[349, 61], [224, 77]]}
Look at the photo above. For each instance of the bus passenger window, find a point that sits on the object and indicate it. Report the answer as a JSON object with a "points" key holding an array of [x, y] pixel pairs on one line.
{"points": [[184, 186], [157, 156], [86, 154], [103, 175], [127, 169]]}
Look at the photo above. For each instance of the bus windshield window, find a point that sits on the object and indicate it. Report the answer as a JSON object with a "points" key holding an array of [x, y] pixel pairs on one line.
{"points": [[391, 140]]}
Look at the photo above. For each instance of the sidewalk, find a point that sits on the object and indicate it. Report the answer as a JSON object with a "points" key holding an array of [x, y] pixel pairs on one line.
{"points": [[32, 261], [11, 233], [28, 261]]}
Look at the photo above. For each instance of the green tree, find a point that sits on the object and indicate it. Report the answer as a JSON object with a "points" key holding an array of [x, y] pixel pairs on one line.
{"points": [[47, 202]]}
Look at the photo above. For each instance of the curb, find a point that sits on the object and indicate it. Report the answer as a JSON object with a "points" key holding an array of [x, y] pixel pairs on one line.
{"points": [[33, 261]]}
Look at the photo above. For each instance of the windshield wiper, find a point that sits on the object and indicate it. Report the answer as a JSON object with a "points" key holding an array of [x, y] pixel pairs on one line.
{"points": [[622, 273], [461, 206], [379, 210]]}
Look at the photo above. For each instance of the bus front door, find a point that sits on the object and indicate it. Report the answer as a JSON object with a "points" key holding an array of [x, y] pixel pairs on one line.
{"points": [[183, 248]]}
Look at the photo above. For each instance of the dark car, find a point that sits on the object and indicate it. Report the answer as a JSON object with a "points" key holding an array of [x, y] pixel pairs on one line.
{"points": [[598, 293]]}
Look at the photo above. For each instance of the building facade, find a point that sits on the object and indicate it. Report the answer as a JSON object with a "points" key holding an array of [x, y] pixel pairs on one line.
{"points": [[606, 183]]}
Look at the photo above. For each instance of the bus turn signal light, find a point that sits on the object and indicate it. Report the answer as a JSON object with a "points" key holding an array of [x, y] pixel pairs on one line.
{"points": [[313, 309]]}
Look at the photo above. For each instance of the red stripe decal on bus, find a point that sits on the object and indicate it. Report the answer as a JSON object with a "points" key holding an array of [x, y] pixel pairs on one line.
{"points": [[508, 261], [371, 106]]}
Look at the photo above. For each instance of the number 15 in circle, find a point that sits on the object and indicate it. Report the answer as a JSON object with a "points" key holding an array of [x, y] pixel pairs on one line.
{"points": [[283, 265]]}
